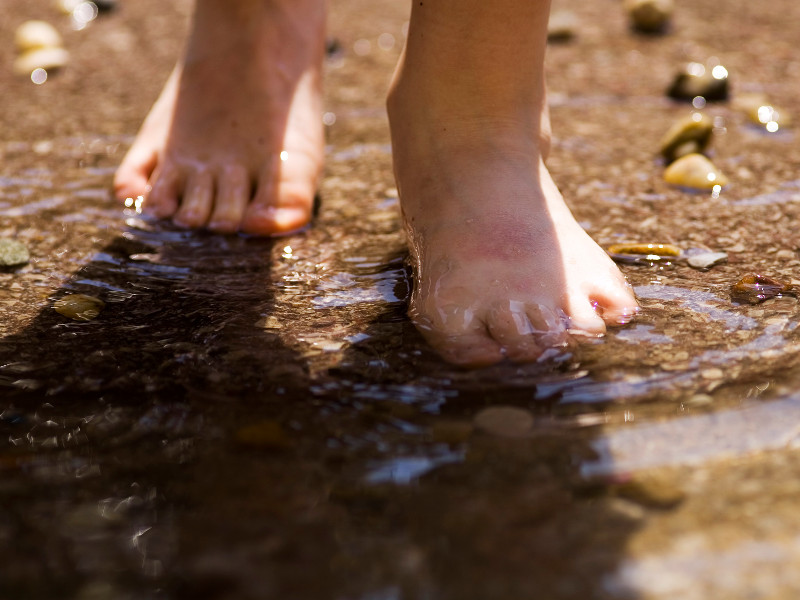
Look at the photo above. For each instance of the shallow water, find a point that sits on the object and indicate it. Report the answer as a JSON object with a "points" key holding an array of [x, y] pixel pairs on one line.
{"points": [[258, 419]]}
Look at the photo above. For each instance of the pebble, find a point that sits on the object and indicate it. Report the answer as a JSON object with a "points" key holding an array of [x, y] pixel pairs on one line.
{"points": [[562, 26], [651, 491], [79, 307], [696, 80], [643, 253], [694, 171], [754, 288], [49, 59], [32, 35], [761, 111], [649, 16], [706, 260], [106, 5], [690, 135], [504, 421], [13, 253]]}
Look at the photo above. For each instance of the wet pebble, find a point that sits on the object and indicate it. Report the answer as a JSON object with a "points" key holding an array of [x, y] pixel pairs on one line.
{"points": [[562, 26], [266, 435], [649, 16], [690, 135], [706, 260], [40, 47], [79, 307], [762, 112], [696, 172], [106, 5], [13, 253], [643, 253], [708, 82], [651, 491], [504, 421], [32, 35], [754, 288]]}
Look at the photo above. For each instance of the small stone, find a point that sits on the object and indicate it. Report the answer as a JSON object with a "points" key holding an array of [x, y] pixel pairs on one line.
{"points": [[785, 254], [49, 59], [762, 112], [562, 26], [267, 435], [651, 491], [699, 400], [706, 260], [690, 135], [694, 171], [710, 83], [504, 421], [754, 288], [105, 5], [79, 307], [650, 16], [643, 253], [13, 253], [32, 35]]}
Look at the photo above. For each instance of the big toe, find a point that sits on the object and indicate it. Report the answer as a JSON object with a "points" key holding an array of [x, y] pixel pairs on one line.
{"points": [[132, 175]]}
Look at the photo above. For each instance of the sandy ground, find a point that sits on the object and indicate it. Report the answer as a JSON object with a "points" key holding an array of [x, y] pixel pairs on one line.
{"points": [[247, 421]]}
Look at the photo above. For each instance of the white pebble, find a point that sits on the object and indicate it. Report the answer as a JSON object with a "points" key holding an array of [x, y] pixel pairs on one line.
{"points": [[32, 35]]}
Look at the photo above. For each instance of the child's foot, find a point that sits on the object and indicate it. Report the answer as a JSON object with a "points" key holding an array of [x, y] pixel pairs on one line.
{"points": [[235, 142], [502, 269]]}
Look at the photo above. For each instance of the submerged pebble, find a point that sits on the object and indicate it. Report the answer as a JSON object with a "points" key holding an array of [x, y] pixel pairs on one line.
{"points": [[754, 288], [36, 34], [696, 80], [643, 253], [706, 260], [694, 171], [79, 307], [649, 16], [652, 491], [13, 253], [504, 421], [690, 135]]}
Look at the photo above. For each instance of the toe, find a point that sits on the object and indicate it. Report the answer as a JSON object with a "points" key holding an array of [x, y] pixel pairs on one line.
{"points": [[233, 194], [197, 200], [162, 199], [131, 178], [616, 305], [284, 206]]}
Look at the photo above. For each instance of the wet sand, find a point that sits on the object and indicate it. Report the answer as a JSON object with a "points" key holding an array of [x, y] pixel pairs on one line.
{"points": [[258, 419]]}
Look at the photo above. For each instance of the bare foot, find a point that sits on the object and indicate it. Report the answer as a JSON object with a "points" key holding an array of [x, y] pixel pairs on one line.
{"points": [[235, 141], [502, 269]]}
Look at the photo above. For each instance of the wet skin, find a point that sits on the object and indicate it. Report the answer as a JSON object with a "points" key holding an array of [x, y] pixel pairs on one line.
{"points": [[235, 141], [502, 270]]}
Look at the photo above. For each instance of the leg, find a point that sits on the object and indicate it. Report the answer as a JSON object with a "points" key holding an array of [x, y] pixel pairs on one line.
{"points": [[502, 267], [235, 142]]}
